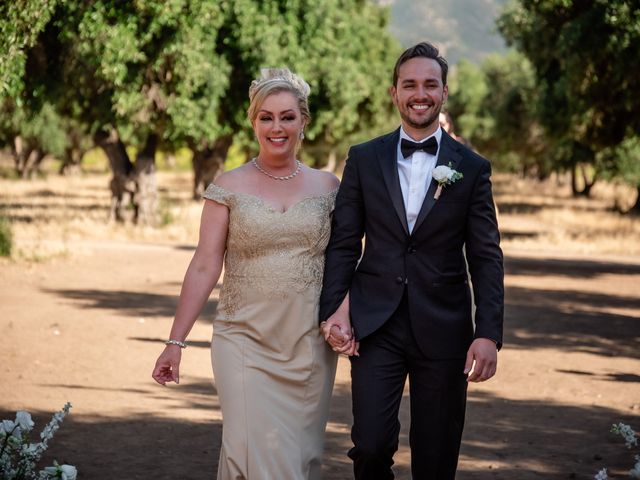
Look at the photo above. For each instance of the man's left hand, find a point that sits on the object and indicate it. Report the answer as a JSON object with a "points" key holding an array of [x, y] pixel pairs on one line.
{"points": [[482, 360]]}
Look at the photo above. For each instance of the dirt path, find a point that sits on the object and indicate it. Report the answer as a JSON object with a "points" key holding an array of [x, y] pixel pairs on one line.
{"points": [[87, 327]]}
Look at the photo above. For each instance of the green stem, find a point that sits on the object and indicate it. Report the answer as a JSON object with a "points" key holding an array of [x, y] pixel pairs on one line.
{"points": [[6, 440]]}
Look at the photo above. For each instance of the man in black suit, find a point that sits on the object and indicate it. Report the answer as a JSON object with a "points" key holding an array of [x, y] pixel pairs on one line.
{"points": [[404, 306]]}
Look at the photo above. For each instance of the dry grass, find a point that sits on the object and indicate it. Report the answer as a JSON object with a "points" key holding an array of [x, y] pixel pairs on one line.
{"points": [[52, 216], [545, 217]]}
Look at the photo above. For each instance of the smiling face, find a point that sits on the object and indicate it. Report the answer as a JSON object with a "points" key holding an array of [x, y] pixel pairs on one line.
{"points": [[278, 124], [419, 95]]}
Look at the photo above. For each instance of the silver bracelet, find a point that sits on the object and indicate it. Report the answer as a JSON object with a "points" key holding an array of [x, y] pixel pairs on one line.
{"points": [[176, 342]]}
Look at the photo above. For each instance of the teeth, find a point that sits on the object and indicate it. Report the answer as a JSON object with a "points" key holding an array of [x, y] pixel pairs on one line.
{"points": [[420, 107], [278, 140]]}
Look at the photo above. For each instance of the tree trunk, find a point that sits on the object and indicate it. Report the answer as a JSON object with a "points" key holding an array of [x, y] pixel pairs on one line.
{"points": [[71, 161], [34, 160], [122, 184], [146, 198], [21, 153], [208, 162], [574, 182], [16, 151], [636, 208], [587, 184]]}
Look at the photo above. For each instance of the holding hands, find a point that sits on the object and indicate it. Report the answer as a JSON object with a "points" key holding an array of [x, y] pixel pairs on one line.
{"points": [[338, 332]]}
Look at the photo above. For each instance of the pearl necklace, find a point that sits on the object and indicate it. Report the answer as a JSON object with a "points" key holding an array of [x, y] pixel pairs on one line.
{"points": [[275, 177]]}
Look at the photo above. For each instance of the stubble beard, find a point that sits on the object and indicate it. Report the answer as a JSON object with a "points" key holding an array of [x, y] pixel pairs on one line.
{"points": [[435, 115]]}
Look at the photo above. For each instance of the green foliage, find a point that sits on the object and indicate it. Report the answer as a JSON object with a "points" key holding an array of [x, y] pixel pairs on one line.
{"points": [[586, 62], [26, 107], [21, 21], [95, 160], [467, 91], [622, 162], [6, 237], [587, 68], [340, 47], [154, 64], [180, 70], [43, 127], [235, 158], [180, 160], [494, 105]]}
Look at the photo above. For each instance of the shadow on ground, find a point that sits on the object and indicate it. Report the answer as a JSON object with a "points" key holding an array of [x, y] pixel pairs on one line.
{"points": [[504, 439], [519, 434], [135, 304]]}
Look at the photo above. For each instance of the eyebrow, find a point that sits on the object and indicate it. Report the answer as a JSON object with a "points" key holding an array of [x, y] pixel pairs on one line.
{"points": [[424, 80], [291, 110], [418, 80]]}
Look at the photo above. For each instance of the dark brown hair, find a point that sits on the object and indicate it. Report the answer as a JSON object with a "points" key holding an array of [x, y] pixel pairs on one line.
{"points": [[422, 49]]}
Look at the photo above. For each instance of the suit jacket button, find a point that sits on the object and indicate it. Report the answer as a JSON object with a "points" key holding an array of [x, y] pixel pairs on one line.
{"points": [[399, 280]]}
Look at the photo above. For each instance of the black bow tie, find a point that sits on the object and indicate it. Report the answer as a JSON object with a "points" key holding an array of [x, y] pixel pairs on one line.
{"points": [[407, 147]]}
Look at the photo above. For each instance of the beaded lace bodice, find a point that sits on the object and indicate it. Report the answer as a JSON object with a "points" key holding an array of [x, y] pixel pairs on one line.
{"points": [[271, 253]]}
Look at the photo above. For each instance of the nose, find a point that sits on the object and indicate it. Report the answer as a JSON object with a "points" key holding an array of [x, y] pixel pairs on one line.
{"points": [[277, 126]]}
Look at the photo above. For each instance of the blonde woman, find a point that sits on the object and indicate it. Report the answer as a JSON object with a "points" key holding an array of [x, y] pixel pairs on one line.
{"points": [[269, 221]]}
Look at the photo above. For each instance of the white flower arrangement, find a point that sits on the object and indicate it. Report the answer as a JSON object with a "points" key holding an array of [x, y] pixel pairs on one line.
{"points": [[445, 175], [630, 440], [18, 457]]}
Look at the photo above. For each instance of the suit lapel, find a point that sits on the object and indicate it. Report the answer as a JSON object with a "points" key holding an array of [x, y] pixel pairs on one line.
{"points": [[448, 155], [388, 164]]}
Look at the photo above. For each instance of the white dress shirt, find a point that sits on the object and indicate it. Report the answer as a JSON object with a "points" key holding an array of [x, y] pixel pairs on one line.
{"points": [[415, 176]]}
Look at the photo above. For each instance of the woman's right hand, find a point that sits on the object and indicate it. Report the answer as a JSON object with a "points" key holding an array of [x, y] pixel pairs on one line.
{"points": [[168, 365]]}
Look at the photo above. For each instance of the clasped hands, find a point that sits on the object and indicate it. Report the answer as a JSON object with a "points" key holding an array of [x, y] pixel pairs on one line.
{"points": [[340, 336]]}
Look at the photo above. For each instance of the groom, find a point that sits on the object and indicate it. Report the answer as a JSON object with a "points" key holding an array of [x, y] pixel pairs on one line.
{"points": [[407, 297]]}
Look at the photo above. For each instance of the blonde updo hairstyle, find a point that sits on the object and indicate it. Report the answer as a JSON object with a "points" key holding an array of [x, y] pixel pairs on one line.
{"points": [[275, 80]]}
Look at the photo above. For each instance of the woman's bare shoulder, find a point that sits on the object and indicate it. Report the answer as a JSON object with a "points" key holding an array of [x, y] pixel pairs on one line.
{"points": [[324, 181], [233, 179]]}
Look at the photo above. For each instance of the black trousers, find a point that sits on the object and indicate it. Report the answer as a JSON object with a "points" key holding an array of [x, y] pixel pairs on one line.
{"points": [[437, 393]]}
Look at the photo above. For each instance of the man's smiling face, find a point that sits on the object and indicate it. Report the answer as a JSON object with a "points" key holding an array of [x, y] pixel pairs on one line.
{"points": [[419, 95]]}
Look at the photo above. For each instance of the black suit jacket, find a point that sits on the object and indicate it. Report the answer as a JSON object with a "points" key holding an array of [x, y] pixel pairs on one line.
{"points": [[429, 262]]}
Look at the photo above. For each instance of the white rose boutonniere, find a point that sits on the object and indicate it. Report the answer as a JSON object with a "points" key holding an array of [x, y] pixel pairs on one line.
{"points": [[445, 175]]}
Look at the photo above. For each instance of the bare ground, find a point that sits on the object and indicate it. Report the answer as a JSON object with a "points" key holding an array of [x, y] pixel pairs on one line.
{"points": [[84, 308]]}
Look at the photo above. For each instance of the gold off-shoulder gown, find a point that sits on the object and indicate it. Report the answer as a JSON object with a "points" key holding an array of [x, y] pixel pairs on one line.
{"points": [[273, 370]]}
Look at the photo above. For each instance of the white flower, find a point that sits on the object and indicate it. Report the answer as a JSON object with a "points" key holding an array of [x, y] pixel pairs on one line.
{"points": [[442, 173], [30, 449], [63, 472], [602, 475], [444, 176], [69, 472], [18, 457], [635, 472], [24, 420], [630, 437], [8, 426]]}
